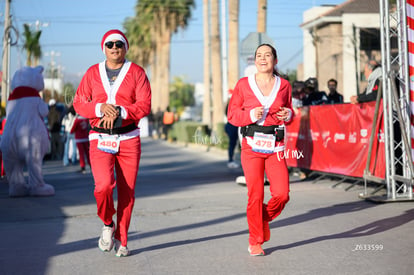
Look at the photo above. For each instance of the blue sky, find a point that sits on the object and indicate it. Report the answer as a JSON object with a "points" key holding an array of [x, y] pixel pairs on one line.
{"points": [[73, 29]]}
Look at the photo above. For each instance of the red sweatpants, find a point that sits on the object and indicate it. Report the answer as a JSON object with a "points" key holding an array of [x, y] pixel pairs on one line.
{"points": [[254, 165], [83, 148], [126, 163]]}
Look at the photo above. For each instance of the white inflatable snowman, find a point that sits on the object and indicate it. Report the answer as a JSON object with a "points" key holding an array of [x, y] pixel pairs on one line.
{"points": [[25, 139]]}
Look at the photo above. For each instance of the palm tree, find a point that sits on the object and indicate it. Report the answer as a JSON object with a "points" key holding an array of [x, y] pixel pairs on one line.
{"points": [[32, 45], [216, 67], [141, 44], [233, 56], [139, 38], [165, 18]]}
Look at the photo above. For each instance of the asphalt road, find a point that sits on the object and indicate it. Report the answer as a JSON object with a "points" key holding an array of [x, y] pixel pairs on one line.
{"points": [[189, 218]]}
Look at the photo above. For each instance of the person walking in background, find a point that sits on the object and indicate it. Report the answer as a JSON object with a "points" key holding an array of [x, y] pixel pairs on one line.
{"points": [[168, 119], [2, 124], [114, 95], [261, 104], [80, 130], [158, 123], [69, 151], [333, 96], [233, 134], [54, 123]]}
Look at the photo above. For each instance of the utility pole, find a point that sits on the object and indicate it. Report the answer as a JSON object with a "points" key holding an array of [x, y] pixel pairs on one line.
{"points": [[261, 16], [53, 71], [5, 85]]}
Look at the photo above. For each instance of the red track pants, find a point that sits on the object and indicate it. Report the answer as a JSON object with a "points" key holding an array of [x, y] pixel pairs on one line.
{"points": [[126, 163], [254, 165], [83, 148]]}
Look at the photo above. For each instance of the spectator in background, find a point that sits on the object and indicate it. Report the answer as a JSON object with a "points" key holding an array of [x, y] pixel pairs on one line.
{"points": [[70, 145], [298, 93], [54, 124], [80, 129], [151, 122], [334, 97], [158, 123], [313, 95], [168, 119], [373, 74], [233, 134], [2, 124]]}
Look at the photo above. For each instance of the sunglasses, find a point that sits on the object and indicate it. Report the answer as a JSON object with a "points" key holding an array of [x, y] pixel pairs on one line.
{"points": [[118, 44]]}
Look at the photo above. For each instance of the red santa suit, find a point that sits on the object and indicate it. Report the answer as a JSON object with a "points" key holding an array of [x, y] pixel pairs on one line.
{"points": [[131, 91], [80, 128], [262, 153]]}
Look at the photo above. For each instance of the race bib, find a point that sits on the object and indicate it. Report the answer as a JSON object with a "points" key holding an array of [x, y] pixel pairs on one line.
{"points": [[263, 143], [109, 144]]}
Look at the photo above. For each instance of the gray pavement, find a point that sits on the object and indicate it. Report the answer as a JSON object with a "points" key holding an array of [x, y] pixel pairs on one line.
{"points": [[189, 218]]}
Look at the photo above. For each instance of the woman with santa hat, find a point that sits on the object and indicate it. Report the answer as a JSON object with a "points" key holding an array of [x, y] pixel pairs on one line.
{"points": [[114, 95], [261, 105]]}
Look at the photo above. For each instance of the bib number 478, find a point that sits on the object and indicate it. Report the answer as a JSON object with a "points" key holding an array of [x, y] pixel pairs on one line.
{"points": [[264, 143]]}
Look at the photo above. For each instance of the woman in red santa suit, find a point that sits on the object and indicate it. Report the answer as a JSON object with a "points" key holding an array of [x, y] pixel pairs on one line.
{"points": [[261, 105], [114, 95]]}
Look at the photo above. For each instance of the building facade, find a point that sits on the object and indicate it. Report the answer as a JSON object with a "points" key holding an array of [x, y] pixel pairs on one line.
{"points": [[339, 41]]}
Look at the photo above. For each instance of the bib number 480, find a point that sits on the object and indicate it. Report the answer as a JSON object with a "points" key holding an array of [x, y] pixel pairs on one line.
{"points": [[108, 143]]}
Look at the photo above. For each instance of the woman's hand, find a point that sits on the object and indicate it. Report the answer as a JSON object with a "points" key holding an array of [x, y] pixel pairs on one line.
{"points": [[283, 114], [258, 112]]}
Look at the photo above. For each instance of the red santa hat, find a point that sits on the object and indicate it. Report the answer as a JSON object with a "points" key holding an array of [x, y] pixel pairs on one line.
{"points": [[114, 35]]}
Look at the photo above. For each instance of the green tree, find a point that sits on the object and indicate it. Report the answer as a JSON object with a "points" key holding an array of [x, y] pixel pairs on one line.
{"points": [[32, 45], [141, 48], [159, 20], [181, 94], [292, 75]]}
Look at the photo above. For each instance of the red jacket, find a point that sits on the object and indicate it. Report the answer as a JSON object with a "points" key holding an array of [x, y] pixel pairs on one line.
{"points": [[131, 91], [246, 97]]}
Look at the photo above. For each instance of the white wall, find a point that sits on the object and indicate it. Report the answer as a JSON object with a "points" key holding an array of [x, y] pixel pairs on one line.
{"points": [[309, 56]]}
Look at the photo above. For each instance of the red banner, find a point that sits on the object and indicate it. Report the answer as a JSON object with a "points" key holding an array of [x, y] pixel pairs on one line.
{"points": [[335, 139]]}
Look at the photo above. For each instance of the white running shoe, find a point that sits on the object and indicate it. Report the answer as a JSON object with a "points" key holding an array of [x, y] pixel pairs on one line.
{"points": [[120, 250], [232, 165], [106, 241]]}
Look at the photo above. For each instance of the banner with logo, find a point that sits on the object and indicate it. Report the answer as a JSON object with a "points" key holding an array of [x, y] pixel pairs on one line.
{"points": [[335, 139]]}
